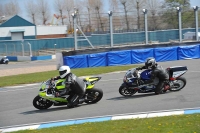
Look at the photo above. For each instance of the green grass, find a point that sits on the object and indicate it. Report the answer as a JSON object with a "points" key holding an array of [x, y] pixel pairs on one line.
{"points": [[168, 124], [42, 76]]}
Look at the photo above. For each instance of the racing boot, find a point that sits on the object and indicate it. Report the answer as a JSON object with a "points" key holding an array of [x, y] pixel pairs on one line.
{"points": [[74, 101]]}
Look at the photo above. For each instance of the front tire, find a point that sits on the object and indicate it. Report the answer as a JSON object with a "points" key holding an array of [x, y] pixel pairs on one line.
{"points": [[41, 103], [125, 91], [94, 95], [179, 84]]}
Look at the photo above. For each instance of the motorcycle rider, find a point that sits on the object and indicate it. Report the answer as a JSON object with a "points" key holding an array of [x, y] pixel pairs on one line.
{"points": [[73, 85], [2, 61], [156, 72]]}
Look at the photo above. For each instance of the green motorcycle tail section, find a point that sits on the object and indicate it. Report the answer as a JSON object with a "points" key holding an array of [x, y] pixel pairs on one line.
{"points": [[58, 99], [90, 81]]}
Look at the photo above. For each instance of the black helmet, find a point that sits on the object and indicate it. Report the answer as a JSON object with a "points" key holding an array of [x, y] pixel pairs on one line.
{"points": [[150, 63]]}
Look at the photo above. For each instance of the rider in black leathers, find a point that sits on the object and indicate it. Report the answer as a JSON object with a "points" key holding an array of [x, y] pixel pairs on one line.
{"points": [[73, 85], [157, 71]]}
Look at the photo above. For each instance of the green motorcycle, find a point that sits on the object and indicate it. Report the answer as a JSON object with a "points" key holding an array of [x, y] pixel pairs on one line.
{"points": [[45, 99]]}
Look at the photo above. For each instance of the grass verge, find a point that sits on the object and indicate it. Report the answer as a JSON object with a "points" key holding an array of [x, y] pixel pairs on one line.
{"points": [[42, 76], [168, 124]]}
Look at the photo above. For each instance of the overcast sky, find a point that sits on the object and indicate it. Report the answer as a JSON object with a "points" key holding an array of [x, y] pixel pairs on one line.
{"points": [[23, 14]]}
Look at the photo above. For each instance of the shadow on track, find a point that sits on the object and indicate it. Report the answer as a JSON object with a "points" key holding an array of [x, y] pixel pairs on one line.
{"points": [[141, 95], [51, 109]]}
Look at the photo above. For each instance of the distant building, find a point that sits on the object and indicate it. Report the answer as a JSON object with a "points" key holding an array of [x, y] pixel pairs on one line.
{"points": [[17, 28]]}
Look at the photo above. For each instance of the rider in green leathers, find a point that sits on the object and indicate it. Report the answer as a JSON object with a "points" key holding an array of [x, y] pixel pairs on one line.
{"points": [[73, 85]]}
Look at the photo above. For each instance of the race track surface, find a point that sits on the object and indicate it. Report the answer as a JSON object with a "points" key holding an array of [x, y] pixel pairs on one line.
{"points": [[16, 102]]}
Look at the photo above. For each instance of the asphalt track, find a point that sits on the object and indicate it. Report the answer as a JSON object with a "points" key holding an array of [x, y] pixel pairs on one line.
{"points": [[26, 64], [16, 102]]}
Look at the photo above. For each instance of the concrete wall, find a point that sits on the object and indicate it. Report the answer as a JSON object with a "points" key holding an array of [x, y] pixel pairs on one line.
{"points": [[49, 30], [29, 31]]}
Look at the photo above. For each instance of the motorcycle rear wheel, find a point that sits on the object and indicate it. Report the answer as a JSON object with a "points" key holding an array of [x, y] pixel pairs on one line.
{"points": [[179, 84], [94, 95], [124, 91], [41, 103]]}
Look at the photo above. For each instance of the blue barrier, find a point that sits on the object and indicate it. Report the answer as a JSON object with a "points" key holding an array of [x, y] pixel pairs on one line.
{"points": [[28, 58], [140, 55], [78, 61], [119, 57], [188, 52], [165, 54], [47, 57], [133, 56], [12, 58], [99, 59]]}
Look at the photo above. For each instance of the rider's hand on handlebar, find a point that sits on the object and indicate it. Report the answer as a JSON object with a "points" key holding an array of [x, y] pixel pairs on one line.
{"points": [[138, 68]]}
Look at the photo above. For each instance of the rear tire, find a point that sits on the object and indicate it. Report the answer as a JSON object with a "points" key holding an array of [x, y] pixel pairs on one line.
{"points": [[179, 84], [94, 95], [41, 103]]}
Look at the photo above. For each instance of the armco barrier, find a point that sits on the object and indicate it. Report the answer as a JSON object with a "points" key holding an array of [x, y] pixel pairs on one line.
{"points": [[133, 56], [27, 58]]}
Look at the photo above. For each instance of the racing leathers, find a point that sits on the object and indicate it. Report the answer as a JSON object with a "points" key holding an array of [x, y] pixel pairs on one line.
{"points": [[73, 85], [156, 72]]}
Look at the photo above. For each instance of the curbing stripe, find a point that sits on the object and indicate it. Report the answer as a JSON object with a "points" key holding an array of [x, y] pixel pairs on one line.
{"points": [[165, 114], [93, 120], [72, 122], [191, 111], [105, 118], [19, 128], [54, 124], [129, 117]]}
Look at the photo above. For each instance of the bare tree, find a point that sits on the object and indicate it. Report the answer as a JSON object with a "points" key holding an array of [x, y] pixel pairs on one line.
{"points": [[60, 7], [1, 10], [97, 6], [113, 5], [43, 10], [79, 8], [89, 17], [153, 7], [11, 8], [138, 5], [31, 10], [125, 4], [70, 9]]}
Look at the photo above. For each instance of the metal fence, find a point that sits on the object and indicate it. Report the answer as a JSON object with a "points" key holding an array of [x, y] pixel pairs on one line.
{"points": [[113, 29]]}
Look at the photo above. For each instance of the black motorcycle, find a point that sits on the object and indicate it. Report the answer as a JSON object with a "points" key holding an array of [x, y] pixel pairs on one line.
{"points": [[4, 60]]}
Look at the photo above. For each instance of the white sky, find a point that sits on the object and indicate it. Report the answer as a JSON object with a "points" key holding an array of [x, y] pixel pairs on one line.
{"points": [[23, 14]]}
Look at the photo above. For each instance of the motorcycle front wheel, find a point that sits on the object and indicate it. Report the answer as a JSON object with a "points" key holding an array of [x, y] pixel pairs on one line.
{"points": [[125, 91], [41, 103], [93, 96]]}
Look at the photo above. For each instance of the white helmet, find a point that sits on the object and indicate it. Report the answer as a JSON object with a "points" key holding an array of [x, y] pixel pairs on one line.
{"points": [[64, 70]]}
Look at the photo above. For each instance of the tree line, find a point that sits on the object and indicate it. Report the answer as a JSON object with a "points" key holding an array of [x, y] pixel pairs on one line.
{"points": [[92, 16]]}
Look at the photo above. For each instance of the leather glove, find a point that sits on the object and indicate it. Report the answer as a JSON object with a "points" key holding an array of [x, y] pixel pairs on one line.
{"points": [[140, 82], [138, 68]]}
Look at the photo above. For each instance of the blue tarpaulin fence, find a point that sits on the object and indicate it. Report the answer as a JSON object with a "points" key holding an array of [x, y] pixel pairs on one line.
{"points": [[133, 56]]}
